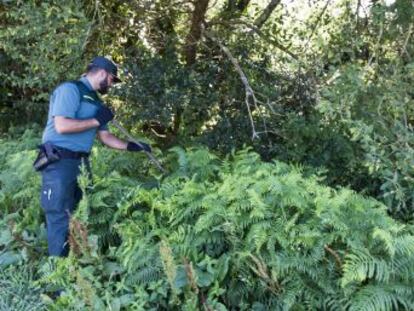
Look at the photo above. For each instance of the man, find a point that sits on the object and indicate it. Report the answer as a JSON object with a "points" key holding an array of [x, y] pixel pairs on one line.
{"points": [[76, 116]]}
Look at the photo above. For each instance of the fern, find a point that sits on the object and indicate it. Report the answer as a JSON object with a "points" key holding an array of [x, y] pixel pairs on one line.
{"points": [[17, 290], [382, 298], [258, 236]]}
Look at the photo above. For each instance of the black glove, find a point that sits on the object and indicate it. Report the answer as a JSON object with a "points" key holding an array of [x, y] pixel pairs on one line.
{"points": [[135, 147], [104, 115]]}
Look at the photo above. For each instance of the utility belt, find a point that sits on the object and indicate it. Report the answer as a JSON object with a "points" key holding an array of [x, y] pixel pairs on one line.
{"points": [[49, 153]]}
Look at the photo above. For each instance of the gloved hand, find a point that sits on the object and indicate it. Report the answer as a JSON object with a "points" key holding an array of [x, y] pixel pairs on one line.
{"points": [[135, 147], [104, 115]]}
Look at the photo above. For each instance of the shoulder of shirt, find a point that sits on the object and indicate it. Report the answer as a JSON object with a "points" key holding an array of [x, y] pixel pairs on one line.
{"points": [[67, 86]]}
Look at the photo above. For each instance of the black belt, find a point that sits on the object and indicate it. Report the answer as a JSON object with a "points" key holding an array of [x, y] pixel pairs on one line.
{"points": [[69, 154]]}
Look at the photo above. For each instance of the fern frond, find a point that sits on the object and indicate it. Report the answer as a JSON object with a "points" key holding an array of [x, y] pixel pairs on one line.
{"points": [[379, 298], [360, 266]]}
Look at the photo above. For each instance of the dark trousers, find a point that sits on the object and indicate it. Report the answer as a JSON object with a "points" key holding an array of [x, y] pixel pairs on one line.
{"points": [[59, 197]]}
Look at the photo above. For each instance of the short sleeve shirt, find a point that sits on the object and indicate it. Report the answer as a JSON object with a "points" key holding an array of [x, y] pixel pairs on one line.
{"points": [[65, 101]]}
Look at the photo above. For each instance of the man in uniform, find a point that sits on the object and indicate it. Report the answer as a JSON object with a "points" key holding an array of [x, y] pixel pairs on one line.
{"points": [[76, 116]]}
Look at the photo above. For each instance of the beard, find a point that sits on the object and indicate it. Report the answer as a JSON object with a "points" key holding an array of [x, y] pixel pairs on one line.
{"points": [[103, 86]]}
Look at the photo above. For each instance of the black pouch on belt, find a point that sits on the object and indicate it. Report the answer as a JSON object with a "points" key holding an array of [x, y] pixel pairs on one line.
{"points": [[47, 155]]}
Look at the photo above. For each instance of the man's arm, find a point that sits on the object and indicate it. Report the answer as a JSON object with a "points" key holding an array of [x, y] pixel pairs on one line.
{"points": [[65, 125], [111, 140]]}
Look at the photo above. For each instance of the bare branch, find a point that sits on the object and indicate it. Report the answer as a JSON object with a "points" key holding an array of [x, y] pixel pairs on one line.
{"points": [[250, 96]]}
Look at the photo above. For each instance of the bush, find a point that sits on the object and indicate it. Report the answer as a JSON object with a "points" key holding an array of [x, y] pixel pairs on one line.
{"points": [[251, 235], [221, 234], [42, 43], [374, 109]]}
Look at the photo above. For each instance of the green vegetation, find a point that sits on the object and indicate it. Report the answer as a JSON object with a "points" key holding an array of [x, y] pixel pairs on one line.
{"points": [[214, 234], [287, 131]]}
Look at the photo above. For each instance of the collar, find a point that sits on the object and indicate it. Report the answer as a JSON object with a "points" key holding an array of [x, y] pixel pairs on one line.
{"points": [[86, 82]]}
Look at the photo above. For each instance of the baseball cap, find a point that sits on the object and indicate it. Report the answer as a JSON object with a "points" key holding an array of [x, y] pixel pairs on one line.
{"points": [[106, 64]]}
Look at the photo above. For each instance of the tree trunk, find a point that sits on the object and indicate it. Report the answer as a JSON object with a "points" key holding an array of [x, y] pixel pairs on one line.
{"points": [[190, 49]]}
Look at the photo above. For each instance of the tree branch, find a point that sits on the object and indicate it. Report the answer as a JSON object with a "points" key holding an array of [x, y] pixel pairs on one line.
{"points": [[254, 29], [377, 45], [250, 96], [404, 49], [318, 20], [88, 32], [266, 13], [357, 13], [257, 30]]}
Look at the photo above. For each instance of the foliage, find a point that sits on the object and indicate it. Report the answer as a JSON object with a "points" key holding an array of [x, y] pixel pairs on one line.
{"points": [[383, 129], [332, 95], [21, 235], [41, 45], [219, 233], [368, 100], [17, 293], [331, 79], [259, 234]]}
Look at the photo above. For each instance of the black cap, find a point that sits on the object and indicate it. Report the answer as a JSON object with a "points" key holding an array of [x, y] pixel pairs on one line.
{"points": [[106, 64]]}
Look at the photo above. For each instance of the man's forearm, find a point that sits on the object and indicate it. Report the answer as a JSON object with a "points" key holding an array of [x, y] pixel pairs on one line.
{"points": [[66, 126], [111, 140]]}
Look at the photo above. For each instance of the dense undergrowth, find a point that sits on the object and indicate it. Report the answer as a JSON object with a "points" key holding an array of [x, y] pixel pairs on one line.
{"points": [[232, 233]]}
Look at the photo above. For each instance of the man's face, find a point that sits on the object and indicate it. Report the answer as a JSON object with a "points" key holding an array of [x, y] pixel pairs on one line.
{"points": [[107, 80]]}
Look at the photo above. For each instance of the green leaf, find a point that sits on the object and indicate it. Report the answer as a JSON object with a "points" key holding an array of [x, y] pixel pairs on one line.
{"points": [[204, 278], [181, 277], [10, 258]]}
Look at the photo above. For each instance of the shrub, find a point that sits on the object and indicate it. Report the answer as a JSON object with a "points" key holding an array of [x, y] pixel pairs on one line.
{"points": [[222, 234]]}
